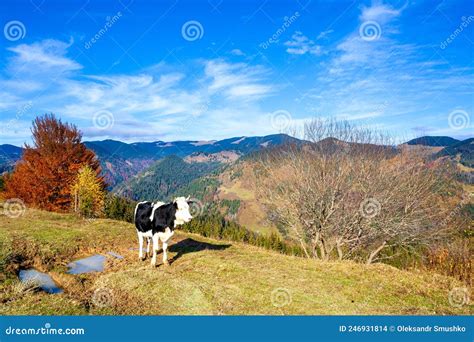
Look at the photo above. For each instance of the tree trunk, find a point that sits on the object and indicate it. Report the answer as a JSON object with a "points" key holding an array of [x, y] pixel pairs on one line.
{"points": [[339, 248], [322, 249], [304, 248], [375, 252]]}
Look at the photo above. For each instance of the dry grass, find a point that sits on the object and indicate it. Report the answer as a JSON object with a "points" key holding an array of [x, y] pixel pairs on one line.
{"points": [[251, 214], [206, 277]]}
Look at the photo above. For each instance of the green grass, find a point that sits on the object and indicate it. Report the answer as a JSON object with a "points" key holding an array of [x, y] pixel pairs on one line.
{"points": [[206, 276]]}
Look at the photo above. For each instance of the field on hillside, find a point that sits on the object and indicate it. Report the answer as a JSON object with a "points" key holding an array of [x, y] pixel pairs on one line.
{"points": [[236, 184], [206, 276]]}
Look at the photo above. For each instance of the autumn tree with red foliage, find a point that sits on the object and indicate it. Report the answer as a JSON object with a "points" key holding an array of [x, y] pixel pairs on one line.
{"points": [[47, 170]]}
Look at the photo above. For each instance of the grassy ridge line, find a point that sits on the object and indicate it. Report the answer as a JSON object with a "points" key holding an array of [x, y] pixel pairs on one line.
{"points": [[206, 276]]}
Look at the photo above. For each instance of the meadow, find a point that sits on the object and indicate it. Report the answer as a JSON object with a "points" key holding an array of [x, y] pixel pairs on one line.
{"points": [[206, 276]]}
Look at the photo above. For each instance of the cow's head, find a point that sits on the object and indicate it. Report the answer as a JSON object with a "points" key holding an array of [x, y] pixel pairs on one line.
{"points": [[182, 211]]}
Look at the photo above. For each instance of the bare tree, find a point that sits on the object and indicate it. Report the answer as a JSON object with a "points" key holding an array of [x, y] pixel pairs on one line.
{"points": [[349, 193]]}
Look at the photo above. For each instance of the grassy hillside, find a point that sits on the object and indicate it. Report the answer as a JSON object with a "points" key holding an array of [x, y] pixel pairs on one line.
{"points": [[205, 277]]}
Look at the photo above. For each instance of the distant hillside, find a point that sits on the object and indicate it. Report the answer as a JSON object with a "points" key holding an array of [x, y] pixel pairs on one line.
{"points": [[9, 155], [159, 149], [462, 151], [221, 157], [120, 161], [163, 179], [433, 141]]}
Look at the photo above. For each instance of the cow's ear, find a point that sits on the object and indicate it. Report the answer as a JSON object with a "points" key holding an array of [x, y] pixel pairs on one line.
{"points": [[190, 202], [175, 205]]}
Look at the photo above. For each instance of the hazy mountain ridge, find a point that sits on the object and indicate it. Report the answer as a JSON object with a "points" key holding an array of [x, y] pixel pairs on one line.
{"points": [[463, 151], [9, 155], [120, 161], [433, 141]]}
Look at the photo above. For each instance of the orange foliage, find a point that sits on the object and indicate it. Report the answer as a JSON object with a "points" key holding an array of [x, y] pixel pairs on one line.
{"points": [[44, 175]]}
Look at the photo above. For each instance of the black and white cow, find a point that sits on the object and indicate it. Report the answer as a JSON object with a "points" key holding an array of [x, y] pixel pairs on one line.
{"points": [[157, 221]]}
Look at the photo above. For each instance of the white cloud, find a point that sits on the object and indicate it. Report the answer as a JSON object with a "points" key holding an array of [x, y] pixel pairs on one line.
{"points": [[237, 52], [300, 45], [380, 13], [159, 102], [324, 34], [237, 80], [45, 57], [388, 81]]}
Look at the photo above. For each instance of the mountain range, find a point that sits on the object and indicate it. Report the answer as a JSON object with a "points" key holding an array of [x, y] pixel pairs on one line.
{"points": [[216, 172], [123, 162], [433, 141], [120, 161]]}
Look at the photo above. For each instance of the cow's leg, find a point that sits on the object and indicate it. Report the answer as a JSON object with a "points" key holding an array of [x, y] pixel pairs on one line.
{"points": [[148, 240], [140, 245], [165, 240], [155, 249], [165, 253]]}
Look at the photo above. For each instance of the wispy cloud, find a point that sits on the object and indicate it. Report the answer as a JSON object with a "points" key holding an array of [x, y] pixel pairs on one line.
{"points": [[154, 103], [300, 45], [237, 80], [324, 34], [386, 80]]}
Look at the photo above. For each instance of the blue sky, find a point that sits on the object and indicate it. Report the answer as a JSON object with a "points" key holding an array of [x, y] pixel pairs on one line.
{"points": [[199, 70]]}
